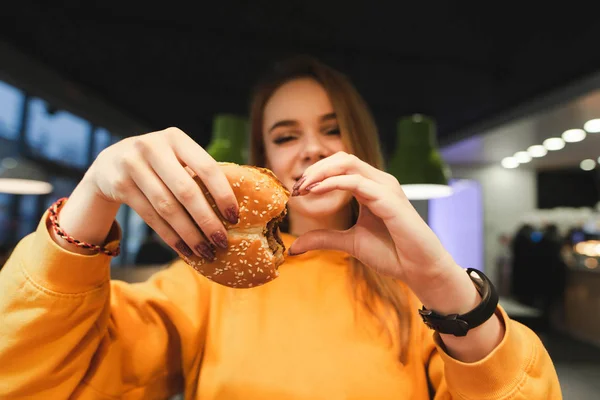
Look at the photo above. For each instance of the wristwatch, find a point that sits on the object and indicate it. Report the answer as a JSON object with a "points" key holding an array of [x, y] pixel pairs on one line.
{"points": [[459, 325]]}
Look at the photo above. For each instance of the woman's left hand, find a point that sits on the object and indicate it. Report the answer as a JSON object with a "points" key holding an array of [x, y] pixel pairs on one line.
{"points": [[389, 236]]}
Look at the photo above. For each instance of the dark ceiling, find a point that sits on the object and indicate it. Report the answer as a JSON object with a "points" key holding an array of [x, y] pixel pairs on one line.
{"points": [[173, 65]]}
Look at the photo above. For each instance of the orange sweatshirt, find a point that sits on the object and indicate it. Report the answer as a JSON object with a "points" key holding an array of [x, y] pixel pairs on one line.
{"points": [[67, 331]]}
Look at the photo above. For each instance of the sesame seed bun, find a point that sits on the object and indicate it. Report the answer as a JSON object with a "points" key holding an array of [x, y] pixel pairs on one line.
{"points": [[255, 249]]}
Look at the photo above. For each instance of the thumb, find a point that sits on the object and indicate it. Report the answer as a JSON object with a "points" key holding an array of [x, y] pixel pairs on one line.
{"points": [[322, 239]]}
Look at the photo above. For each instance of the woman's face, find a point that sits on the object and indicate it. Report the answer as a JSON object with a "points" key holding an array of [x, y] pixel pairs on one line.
{"points": [[299, 129]]}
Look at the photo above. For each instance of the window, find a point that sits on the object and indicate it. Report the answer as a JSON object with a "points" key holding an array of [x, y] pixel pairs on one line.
{"points": [[57, 135], [11, 107], [62, 187], [102, 140], [121, 259], [28, 215], [6, 221], [136, 233]]}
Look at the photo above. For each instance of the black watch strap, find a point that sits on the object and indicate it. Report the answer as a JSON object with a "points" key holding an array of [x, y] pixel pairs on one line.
{"points": [[459, 325]]}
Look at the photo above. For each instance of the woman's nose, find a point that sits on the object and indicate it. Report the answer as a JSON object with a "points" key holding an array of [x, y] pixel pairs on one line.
{"points": [[314, 150]]}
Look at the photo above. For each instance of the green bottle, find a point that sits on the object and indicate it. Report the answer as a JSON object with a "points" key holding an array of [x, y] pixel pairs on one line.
{"points": [[229, 141]]}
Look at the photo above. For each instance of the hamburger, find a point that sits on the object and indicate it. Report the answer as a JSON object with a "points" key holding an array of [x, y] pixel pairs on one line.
{"points": [[255, 248]]}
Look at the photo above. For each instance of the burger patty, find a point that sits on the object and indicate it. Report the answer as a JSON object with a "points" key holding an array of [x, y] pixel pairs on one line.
{"points": [[272, 233]]}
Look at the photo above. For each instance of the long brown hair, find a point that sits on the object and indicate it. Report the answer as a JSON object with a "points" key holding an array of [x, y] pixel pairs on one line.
{"points": [[360, 135]]}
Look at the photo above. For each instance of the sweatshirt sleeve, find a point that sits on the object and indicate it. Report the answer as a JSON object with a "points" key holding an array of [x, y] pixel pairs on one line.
{"points": [[67, 331], [518, 368]]}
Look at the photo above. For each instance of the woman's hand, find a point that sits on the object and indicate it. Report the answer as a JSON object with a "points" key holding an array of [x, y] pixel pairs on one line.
{"points": [[389, 236], [152, 173]]}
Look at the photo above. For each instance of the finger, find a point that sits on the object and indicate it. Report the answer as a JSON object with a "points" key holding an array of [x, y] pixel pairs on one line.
{"points": [[338, 164], [377, 197], [167, 206], [211, 175], [140, 204], [187, 193], [323, 239]]}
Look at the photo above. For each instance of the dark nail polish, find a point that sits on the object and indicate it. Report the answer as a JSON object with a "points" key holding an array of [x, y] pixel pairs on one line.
{"points": [[312, 185], [232, 215], [220, 239], [291, 253], [299, 183], [206, 251], [184, 248]]}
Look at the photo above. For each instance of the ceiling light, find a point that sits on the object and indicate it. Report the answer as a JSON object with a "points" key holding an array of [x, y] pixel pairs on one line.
{"points": [[21, 176], [416, 162], [573, 135], [425, 191], [509, 162], [537, 151], [592, 126], [554, 143], [587, 165], [522, 157]]}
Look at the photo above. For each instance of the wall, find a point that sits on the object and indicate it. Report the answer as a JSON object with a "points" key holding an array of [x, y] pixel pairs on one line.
{"points": [[508, 194]]}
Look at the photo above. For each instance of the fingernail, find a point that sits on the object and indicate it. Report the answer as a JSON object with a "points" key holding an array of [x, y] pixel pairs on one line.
{"points": [[299, 183], [220, 239], [184, 248], [312, 185], [291, 253], [206, 251], [232, 215]]}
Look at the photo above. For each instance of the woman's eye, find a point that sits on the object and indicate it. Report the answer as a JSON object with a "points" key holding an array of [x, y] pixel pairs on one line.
{"points": [[282, 139], [334, 131]]}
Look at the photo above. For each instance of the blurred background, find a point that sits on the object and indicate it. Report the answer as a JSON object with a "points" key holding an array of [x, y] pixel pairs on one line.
{"points": [[504, 103]]}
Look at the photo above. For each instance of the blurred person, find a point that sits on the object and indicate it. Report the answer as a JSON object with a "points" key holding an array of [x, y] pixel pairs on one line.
{"points": [[504, 265], [523, 248], [554, 270], [345, 318]]}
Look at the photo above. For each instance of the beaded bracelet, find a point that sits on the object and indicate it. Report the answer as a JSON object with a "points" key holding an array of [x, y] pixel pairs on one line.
{"points": [[53, 216]]}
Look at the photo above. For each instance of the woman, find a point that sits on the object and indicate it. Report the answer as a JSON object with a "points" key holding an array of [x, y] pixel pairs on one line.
{"points": [[341, 320]]}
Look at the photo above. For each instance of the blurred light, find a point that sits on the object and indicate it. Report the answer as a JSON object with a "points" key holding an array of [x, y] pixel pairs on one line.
{"points": [[510, 162], [592, 126], [574, 135], [21, 176], [425, 191], [537, 151], [590, 263], [587, 165], [554, 143], [590, 248], [522, 157]]}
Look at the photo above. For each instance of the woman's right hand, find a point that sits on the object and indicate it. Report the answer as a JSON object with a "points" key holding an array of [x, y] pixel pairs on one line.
{"points": [[151, 173]]}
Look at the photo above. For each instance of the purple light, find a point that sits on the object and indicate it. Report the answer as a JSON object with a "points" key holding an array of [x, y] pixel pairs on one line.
{"points": [[458, 222]]}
